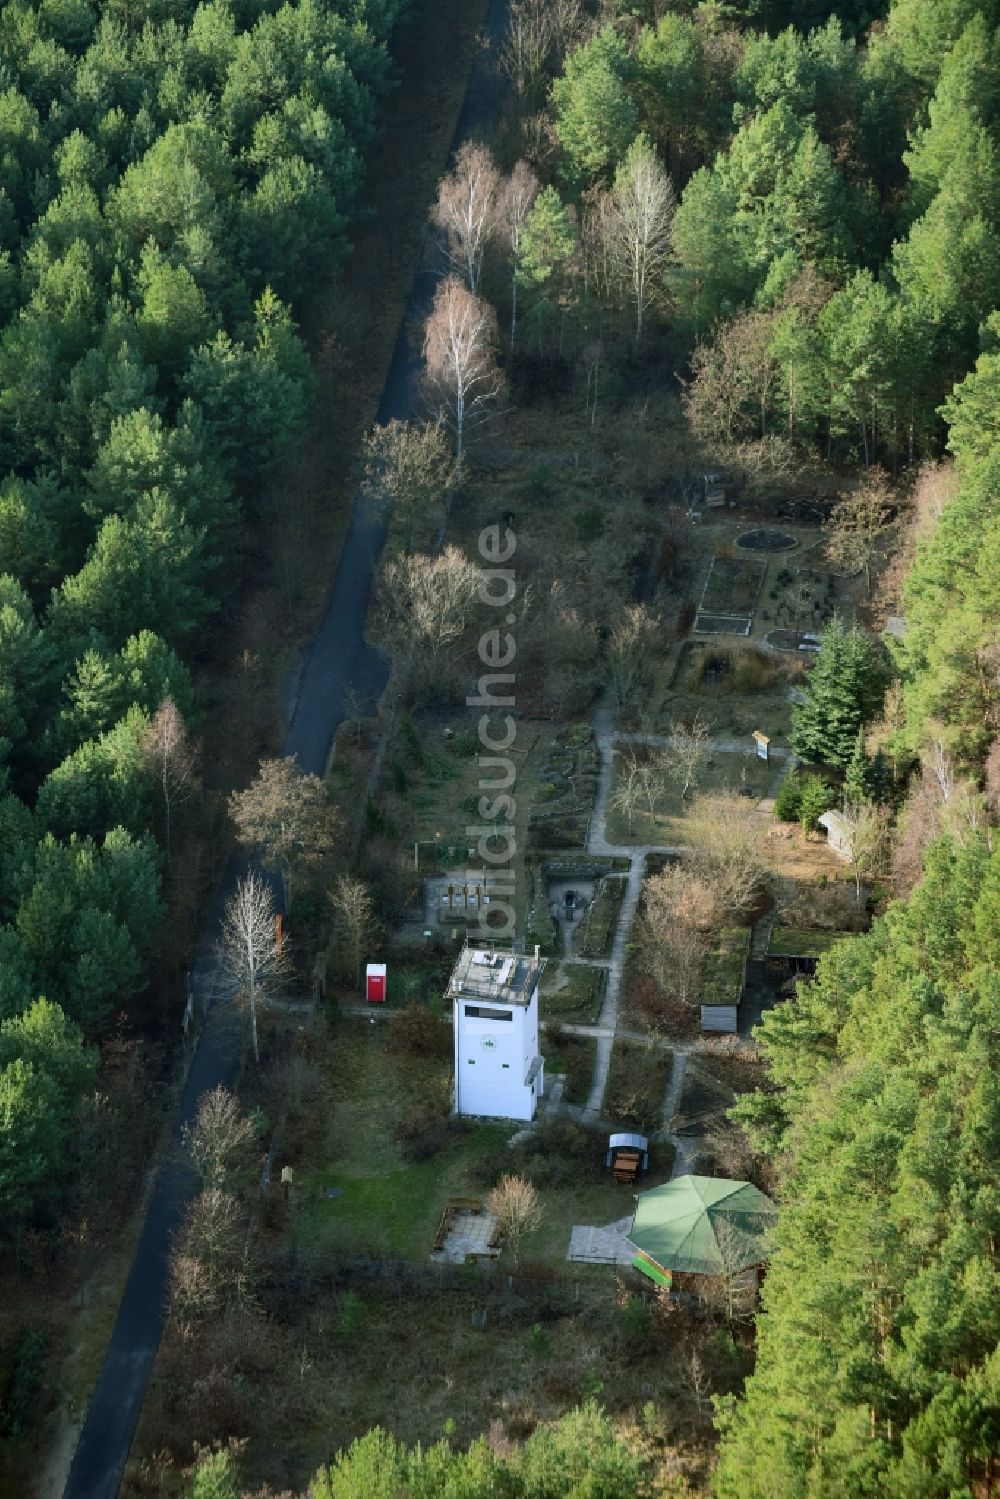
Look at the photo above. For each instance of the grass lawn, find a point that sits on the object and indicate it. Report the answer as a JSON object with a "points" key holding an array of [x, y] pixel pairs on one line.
{"points": [[594, 935], [637, 1082], [396, 1212], [724, 771], [387, 1205], [574, 1057], [733, 584], [391, 1206], [574, 993], [725, 966], [801, 942]]}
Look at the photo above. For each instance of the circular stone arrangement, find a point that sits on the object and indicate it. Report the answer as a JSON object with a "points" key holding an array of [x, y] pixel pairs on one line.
{"points": [[766, 540]]}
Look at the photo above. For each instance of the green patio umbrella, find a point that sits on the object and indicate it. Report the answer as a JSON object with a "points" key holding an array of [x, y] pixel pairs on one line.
{"points": [[703, 1225]]}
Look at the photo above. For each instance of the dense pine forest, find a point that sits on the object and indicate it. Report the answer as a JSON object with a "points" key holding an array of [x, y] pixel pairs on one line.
{"points": [[176, 178], [753, 236]]}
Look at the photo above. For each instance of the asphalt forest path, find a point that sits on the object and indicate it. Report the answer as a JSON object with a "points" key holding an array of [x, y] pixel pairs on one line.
{"points": [[340, 667]]}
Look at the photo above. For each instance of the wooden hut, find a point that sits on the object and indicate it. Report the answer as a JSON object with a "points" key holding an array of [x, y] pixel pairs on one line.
{"points": [[701, 1226], [725, 972], [796, 950]]}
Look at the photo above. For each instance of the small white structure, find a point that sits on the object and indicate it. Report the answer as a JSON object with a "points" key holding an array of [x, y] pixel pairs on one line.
{"points": [[763, 744], [838, 834], [499, 1071]]}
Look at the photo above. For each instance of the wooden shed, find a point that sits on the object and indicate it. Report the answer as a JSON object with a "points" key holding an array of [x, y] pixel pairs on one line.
{"points": [[725, 971], [797, 949], [838, 834]]}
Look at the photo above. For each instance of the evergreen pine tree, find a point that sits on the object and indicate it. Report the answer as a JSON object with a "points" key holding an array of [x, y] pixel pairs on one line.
{"points": [[857, 789], [841, 694]]}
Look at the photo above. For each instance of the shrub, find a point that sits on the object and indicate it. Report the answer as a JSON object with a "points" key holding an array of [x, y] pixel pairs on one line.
{"points": [[816, 797], [424, 1129], [350, 1316], [19, 1405], [636, 1084], [571, 1056], [589, 522], [789, 798], [410, 740], [539, 1341], [464, 743], [753, 671], [635, 1325], [414, 1032], [541, 481], [685, 618]]}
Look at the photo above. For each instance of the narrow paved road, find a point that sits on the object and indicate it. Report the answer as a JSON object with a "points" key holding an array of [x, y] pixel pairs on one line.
{"points": [[339, 663]]}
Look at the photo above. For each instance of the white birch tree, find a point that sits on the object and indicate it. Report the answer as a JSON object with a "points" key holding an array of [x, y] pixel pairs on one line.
{"points": [[170, 758], [461, 377], [517, 198], [466, 210], [641, 227], [249, 951]]}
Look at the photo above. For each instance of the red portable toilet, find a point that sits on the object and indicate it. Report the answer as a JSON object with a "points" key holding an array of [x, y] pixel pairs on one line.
{"points": [[375, 983]]}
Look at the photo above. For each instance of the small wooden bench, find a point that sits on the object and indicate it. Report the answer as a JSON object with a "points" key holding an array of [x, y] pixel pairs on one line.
{"points": [[626, 1165]]}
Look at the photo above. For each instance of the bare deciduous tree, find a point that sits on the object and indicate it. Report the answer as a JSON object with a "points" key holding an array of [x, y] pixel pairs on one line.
{"points": [[517, 1209], [591, 357], [681, 910], [868, 843], [539, 34], [466, 210], [207, 1266], [250, 954], [724, 832], [192, 1294], [171, 759], [733, 381], [695, 1379], [426, 601], [633, 637], [525, 47], [516, 199], [686, 753], [856, 526], [285, 816], [651, 781], [629, 789], [220, 1140], [936, 486], [735, 1287], [462, 378], [640, 227], [410, 463], [354, 910]]}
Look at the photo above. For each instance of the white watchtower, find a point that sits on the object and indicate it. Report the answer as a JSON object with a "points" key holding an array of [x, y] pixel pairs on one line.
{"points": [[499, 1071]]}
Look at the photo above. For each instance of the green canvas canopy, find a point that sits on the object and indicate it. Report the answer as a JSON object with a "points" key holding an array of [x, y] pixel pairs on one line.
{"points": [[703, 1225]]}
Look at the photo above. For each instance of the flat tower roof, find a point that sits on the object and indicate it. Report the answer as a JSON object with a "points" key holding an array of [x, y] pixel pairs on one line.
{"points": [[495, 973]]}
